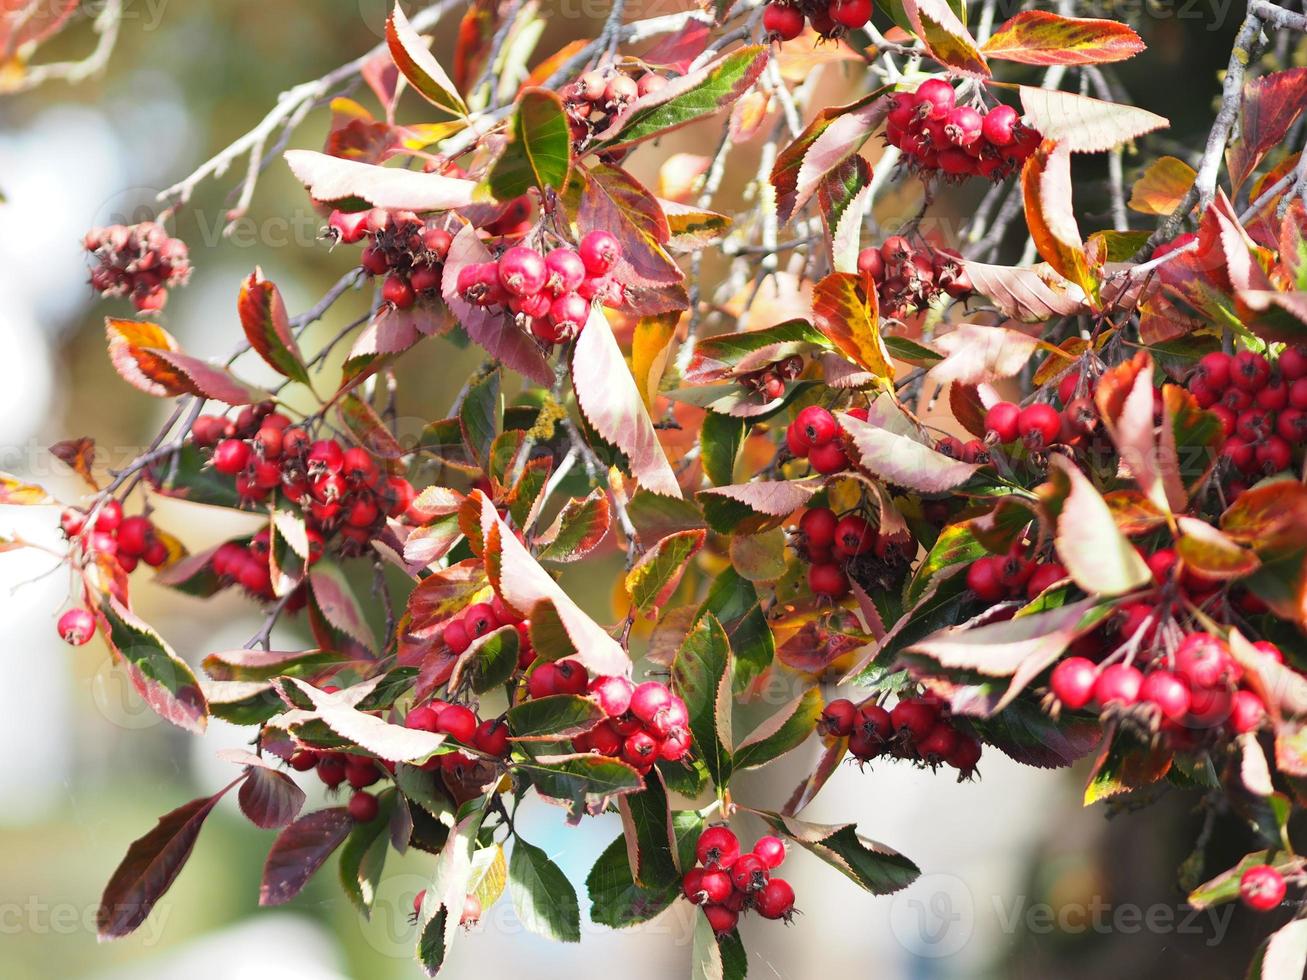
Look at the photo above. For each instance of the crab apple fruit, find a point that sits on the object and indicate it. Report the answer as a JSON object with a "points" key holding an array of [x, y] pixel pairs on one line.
{"points": [[650, 699], [829, 458], [325, 456], [871, 264], [1247, 712], [522, 271], [817, 426], [231, 456], [479, 619], [837, 717], [675, 745], [963, 125], [776, 900], [1250, 371], [613, 694], [853, 536], [565, 271], [715, 885], [599, 251], [1203, 660], [471, 914], [543, 681], [456, 636], [331, 770], [749, 873], [984, 578], [1168, 692], [1001, 422], [492, 738], [570, 677], [997, 126], [720, 918], [1273, 455], [458, 722], [363, 807], [1039, 425], [828, 579], [717, 847], [76, 627], [938, 95], [964, 756], [851, 13], [782, 21], [134, 535], [1043, 577], [939, 742], [692, 886], [640, 749], [818, 526], [1118, 684], [424, 718], [1262, 888], [771, 851], [914, 716]]}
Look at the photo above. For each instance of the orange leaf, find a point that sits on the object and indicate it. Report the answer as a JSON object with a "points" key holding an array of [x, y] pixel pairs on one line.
{"points": [[846, 312], [1046, 187], [1162, 186]]}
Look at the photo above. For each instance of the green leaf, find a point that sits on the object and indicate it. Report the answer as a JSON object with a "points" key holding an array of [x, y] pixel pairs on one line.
{"points": [[716, 358], [262, 665], [1225, 886], [543, 898], [873, 866], [705, 955], [578, 528], [554, 718], [443, 906], [267, 327], [489, 661], [478, 417], [1124, 765], [616, 900], [701, 677], [647, 822], [194, 481], [364, 856], [685, 99], [787, 729], [580, 780], [733, 600], [653, 579], [720, 440], [539, 152], [422, 787], [956, 545]]}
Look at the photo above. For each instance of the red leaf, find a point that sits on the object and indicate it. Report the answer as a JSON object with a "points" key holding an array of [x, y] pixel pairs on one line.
{"points": [[333, 595], [607, 395], [501, 338], [1124, 397], [267, 327], [299, 851], [211, 381], [1270, 105], [831, 138], [162, 678], [269, 797], [150, 867], [615, 201], [79, 455], [332, 179], [1037, 37]]}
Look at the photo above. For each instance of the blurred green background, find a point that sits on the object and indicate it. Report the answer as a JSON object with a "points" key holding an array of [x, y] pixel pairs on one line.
{"points": [[1019, 880]]}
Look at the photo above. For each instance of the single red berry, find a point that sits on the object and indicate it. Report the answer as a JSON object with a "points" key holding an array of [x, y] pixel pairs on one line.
{"points": [[331, 770], [398, 292], [613, 694], [1262, 888], [522, 271], [456, 636], [570, 677], [776, 900], [1203, 660], [1118, 684], [206, 430], [1001, 422], [997, 126], [76, 627], [1273, 455], [1250, 371], [963, 125], [231, 456], [717, 847], [640, 750], [471, 914], [782, 22], [914, 716], [134, 535], [720, 918], [829, 458], [837, 717], [599, 251], [620, 90], [828, 580], [1039, 425], [692, 886], [749, 873], [939, 742], [543, 681], [649, 700], [965, 755], [1161, 563], [479, 619], [715, 885], [937, 95], [1273, 397], [851, 13], [1044, 576], [492, 738], [1214, 370], [871, 264], [1247, 712], [1168, 691], [325, 456], [796, 441], [984, 578], [771, 851], [424, 718], [817, 425], [458, 722], [853, 536], [363, 807], [1293, 363]]}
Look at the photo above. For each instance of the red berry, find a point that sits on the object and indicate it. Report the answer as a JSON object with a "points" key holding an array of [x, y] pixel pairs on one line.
{"points": [[796, 441], [871, 264], [817, 426], [1247, 712], [423, 718], [1293, 363], [963, 125], [837, 717], [782, 22], [915, 716], [492, 738], [965, 755], [984, 578], [134, 536], [717, 847], [570, 677], [479, 619], [1262, 888], [1214, 370], [1043, 577], [1001, 422], [458, 722], [1168, 691], [76, 627], [722, 919], [206, 430], [938, 95], [1118, 684], [1273, 397], [851, 13], [599, 251], [749, 873], [939, 742], [1274, 455], [456, 636], [543, 681], [325, 456], [853, 536], [331, 770], [776, 900], [397, 292], [649, 700], [829, 458], [613, 694], [1039, 425], [363, 807], [692, 886], [998, 124], [828, 580], [231, 456], [640, 750], [1203, 660], [1250, 371], [771, 851]]}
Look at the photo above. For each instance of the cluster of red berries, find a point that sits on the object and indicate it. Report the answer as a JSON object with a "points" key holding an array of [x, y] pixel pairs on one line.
{"points": [[342, 492], [1012, 576], [783, 19], [249, 565], [826, 541], [814, 435], [481, 618], [1040, 425], [936, 134], [358, 771], [726, 883], [127, 540], [770, 381], [1262, 408], [646, 722], [1178, 695], [552, 291], [409, 251], [598, 97], [909, 279], [917, 729], [1262, 888], [141, 261], [488, 737]]}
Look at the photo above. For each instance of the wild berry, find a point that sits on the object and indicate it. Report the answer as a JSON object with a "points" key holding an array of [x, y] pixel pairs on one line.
{"points": [[76, 627], [1262, 888]]}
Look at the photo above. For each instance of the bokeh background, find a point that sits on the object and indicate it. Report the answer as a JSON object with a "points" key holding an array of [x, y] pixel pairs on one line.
{"points": [[1019, 881]]}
